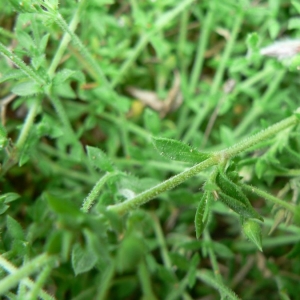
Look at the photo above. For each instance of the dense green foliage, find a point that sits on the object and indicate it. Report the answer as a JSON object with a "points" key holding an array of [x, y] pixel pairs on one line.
{"points": [[149, 149]]}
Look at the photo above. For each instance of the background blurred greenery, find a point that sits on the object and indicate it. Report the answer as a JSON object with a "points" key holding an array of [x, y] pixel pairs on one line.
{"points": [[189, 71]]}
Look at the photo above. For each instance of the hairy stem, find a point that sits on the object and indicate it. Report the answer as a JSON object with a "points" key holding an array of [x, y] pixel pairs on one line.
{"points": [[269, 197], [16, 275], [89, 200], [28, 123], [78, 44], [65, 41], [21, 65], [215, 159]]}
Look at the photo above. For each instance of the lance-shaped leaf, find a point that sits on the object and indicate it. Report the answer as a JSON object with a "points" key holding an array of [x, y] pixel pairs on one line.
{"points": [[177, 150], [201, 216], [252, 231], [99, 159], [231, 189], [246, 211]]}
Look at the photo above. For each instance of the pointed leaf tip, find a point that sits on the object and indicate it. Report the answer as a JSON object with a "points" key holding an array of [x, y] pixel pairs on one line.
{"points": [[252, 231]]}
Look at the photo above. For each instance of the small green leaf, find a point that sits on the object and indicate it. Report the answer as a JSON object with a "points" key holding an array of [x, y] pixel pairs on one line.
{"points": [[294, 23], [274, 27], [113, 218], [296, 4], [297, 215], [227, 136], [295, 252], [260, 167], [239, 207], [64, 90], [9, 197], [99, 159], [297, 114], [64, 207], [222, 250], [15, 74], [26, 88], [54, 242], [43, 43], [231, 189], [201, 216], [3, 208], [252, 230], [210, 186], [83, 259], [65, 74], [130, 253], [152, 121], [26, 6], [252, 41], [14, 228], [25, 39], [176, 150]]}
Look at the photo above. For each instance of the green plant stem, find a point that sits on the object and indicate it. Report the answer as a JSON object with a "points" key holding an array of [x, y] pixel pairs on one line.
{"points": [[28, 123], [182, 40], [159, 165], [37, 288], [82, 49], [7, 34], [106, 281], [124, 135], [88, 201], [259, 137], [212, 257], [209, 103], [21, 65], [259, 77], [206, 277], [22, 273], [268, 242], [55, 101], [145, 281], [268, 197], [63, 117], [203, 38], [144, 197], [197, 67], [258, 107], [129, 125], [216, 158], [162, 242], [144, 39], [22, 136], [65, 41]]}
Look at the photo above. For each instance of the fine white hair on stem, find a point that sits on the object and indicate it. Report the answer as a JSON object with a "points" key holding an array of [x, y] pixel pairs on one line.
{"points": [[282, 49]]}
